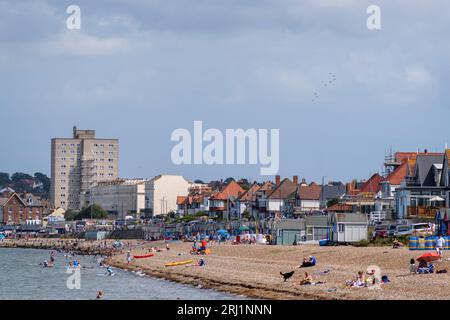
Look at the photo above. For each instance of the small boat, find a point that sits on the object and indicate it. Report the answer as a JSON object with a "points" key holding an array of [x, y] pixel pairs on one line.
{"points": [[144, 256], [179, 263]]}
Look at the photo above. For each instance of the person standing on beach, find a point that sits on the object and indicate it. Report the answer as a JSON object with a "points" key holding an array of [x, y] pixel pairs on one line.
{"points": [[128, 257], [440, 245]]}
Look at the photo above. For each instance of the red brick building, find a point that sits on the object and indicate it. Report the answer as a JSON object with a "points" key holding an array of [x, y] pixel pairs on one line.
{"points": [[15, 211]]}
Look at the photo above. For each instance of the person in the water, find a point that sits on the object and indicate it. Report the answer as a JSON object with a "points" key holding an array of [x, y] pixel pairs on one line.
{"points": [[99, 295], [110, 271]]}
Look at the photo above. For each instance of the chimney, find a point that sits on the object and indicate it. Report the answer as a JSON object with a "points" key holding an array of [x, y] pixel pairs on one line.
{"points": [[303, 182], [277, 180], [295, 179]]}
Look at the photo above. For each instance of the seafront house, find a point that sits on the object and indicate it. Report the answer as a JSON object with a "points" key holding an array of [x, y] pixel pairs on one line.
{"points": [[308, 197], [363, 195], [192, 204], [445, 177], [331, 191], [259, 204], [278, 201], [421, 194], [245, 201], [17, 211], [37, 208], [161, 193], [222, 202]]}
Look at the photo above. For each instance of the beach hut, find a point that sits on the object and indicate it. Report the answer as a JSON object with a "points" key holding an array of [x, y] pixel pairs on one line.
{"points": [[288, 231], [348, 227], [442, 220], [317, 227]]}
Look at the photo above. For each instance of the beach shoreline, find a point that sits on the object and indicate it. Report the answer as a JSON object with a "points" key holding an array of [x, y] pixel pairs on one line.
{"points": [[253, 271]]}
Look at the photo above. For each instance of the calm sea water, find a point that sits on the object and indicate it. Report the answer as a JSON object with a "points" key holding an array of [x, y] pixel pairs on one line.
{"points": [[21, 277]]}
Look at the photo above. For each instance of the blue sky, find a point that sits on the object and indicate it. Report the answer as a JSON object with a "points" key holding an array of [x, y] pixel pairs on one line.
{"points": [[139, 69]]}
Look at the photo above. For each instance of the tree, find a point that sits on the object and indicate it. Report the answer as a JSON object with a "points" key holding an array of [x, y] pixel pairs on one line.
{"points": [[4, 179], [199, 181], [70, 215], [41, 177], [228, 180], [18, 176], [22, 182], [95, 211]]}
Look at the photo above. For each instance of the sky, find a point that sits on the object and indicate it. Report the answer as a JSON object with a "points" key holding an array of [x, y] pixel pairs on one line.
{"points": [[139, 69]]}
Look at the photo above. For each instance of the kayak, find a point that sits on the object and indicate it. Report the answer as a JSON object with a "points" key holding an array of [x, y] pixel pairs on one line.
{"points": [[144, 256], [179, 263]]}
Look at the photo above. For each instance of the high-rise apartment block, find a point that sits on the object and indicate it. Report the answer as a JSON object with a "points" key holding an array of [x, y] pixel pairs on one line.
{"points": [[78, 163]]}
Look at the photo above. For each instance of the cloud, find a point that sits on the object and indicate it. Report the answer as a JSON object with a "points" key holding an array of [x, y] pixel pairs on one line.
{"points": [[417, 75], [75, 43]]}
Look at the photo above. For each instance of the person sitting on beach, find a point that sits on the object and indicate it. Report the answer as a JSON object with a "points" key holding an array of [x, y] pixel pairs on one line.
{"points": [[307, 279], [194, 248], [412, 266], [396, 244], [204, 244], [360, 280], [201, 262], [308, 262], [441, 270], [423, 267]]}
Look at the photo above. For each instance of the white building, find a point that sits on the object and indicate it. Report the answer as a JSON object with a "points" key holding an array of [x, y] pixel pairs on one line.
{"points": [[348, 227], [161, 193], [120, 197]]}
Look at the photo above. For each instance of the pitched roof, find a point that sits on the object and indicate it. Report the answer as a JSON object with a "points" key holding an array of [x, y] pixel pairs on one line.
{"points": [[333, 190], [181, 200], [424, 164], [316, 220], [311, 192], [250, 194], [397, 176], [372, 185], [283, 190], [268, 185], [6, 197], [447, 153], [233, 189]]}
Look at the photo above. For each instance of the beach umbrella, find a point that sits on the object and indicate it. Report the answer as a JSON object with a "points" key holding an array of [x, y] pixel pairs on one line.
{"points": [[428, 257], [222, 231], [244, 228]]}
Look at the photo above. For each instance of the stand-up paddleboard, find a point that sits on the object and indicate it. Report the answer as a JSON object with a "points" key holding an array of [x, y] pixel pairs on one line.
{"points": [[106, 274], [144, 256], [179, 263]]}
